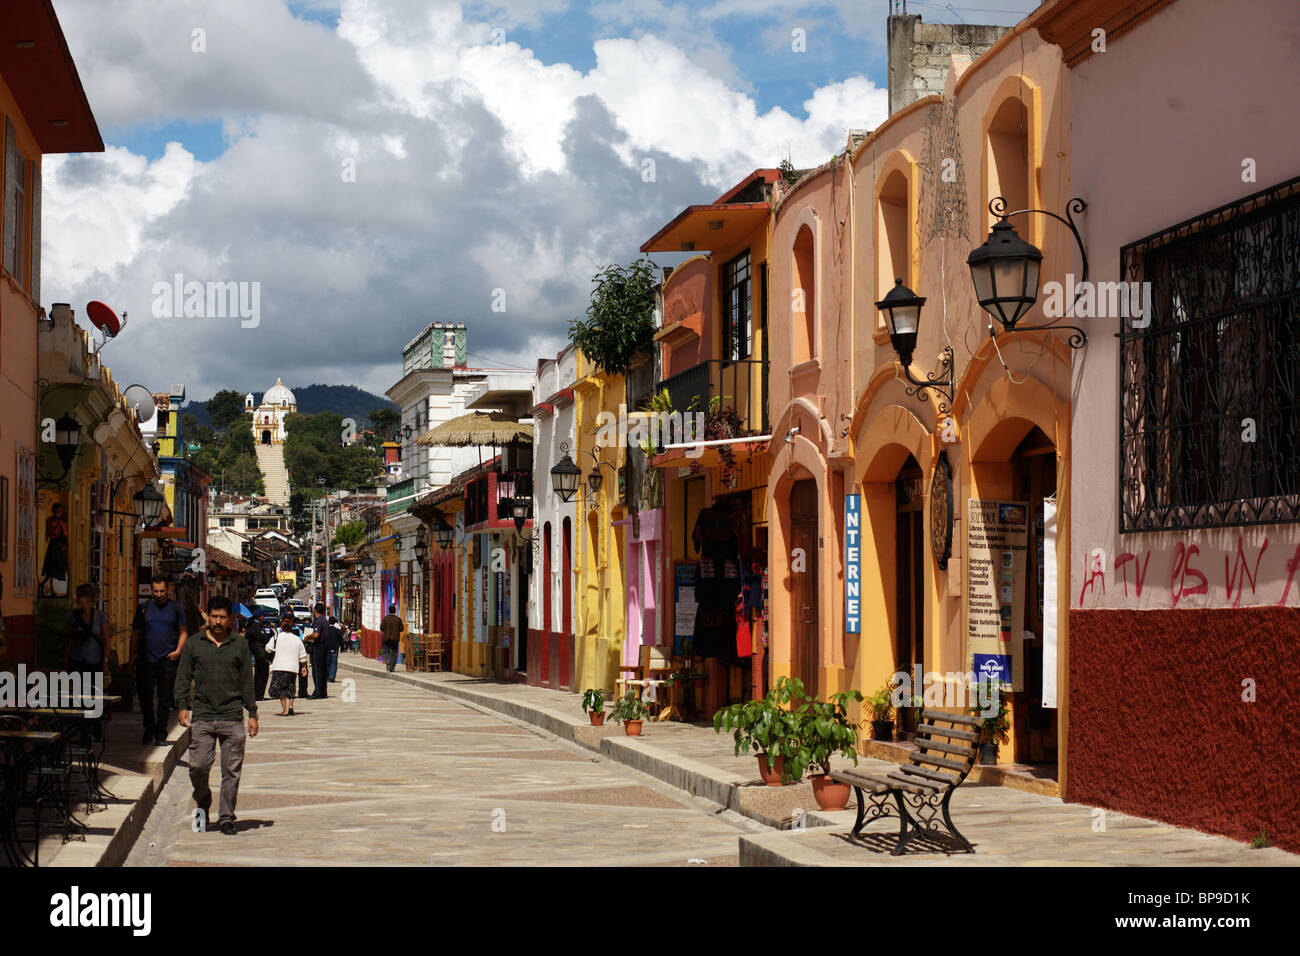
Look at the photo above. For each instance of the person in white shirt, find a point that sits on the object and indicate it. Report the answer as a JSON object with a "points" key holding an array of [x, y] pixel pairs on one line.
{"points": [[288, 660]]}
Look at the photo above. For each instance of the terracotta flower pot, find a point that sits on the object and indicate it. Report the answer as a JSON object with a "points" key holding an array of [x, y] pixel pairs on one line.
{"points": [[597, 717], [632, 728], [829, 794], [771, 775]]}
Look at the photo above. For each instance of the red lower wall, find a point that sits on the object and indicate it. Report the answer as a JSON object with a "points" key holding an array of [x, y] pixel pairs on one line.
{"points": [[1158, 727]]}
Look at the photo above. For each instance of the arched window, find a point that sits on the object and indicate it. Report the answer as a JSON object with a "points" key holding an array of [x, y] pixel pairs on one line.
{"points": [[803, 297]]}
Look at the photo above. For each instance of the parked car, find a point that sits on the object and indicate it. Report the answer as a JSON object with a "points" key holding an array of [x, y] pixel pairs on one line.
{"points": [[301, 612], [267, 598]]}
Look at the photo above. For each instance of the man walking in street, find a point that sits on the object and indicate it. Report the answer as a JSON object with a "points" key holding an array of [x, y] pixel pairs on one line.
{"points": [[391, 627], [318, 644], [220, 664], [158, 637], [256, 635]]}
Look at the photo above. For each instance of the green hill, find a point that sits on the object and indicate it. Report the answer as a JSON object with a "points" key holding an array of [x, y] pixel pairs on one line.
{"points": [[346, 400]]}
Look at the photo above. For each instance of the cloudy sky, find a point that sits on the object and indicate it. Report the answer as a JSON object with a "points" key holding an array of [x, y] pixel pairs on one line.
{"points": [[375, 165]]}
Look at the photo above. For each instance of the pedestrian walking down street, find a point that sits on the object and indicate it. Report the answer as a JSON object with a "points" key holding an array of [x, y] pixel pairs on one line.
{"points": [[391, 627], [257, 635], [288, 661], [318, 645], [335, 645], [88, 629], [158, 636], [220, 665]]}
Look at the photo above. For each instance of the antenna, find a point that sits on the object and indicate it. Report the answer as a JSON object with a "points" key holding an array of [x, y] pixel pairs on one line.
{"points": [[106, 320], [140, 400]]}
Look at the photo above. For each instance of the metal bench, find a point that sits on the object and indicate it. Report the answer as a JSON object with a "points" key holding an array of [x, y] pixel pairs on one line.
{"points": [[919, 791]]}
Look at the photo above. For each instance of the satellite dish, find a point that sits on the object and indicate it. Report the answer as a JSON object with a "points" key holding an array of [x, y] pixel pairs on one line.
{"points": [[140, 400], [104, 318]]}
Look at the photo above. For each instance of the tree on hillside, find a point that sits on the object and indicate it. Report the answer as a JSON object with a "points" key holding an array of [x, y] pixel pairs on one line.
{"points": [[315, 454], [385, 422], [224, 407], [350, 534], [620, 318]]}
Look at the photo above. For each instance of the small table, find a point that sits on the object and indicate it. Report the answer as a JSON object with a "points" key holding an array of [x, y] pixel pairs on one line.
{"points": [[84, 753], [22, 749]]}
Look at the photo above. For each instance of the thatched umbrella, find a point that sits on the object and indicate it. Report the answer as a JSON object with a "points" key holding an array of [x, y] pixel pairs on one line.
{"points": [[478, 428]]}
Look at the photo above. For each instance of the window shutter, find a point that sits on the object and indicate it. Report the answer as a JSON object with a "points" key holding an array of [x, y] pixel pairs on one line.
{"points": [[34, 286], [12, 158]]}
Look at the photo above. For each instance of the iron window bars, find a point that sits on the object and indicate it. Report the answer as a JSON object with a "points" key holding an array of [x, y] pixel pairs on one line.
{"points": [[1217, 365]]}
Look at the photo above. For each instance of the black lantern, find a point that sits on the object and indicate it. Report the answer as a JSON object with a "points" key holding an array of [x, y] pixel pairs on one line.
{"points": [[519, 510], [595, 479], [444, 533], [368, 564], [902, 308], [1005, 271], [67, 436], [421, 547], [148, 504], [564, 478]]}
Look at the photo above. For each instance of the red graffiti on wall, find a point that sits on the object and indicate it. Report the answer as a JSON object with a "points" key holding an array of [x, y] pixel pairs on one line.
{"points": [[1097, 570], [1239, 575], [1183, 555], [1140, 572], [1291, 567]]}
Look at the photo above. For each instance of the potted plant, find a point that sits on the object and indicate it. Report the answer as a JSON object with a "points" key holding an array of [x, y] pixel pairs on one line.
{"points": [[881, 706], [593, 704], [768, 728], [629, 710], [995, 728], [824, 730]]}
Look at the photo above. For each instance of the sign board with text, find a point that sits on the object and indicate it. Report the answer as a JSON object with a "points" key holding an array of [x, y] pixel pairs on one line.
{"points": [[996, 538]]}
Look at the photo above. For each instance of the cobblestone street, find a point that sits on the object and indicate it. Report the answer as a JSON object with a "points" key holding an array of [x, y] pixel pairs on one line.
{"points": [[404, 777]]}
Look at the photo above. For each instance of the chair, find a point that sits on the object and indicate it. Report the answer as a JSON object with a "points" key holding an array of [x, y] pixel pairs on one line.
{"points": [[433, 654], [651, 672], [415, 659]]}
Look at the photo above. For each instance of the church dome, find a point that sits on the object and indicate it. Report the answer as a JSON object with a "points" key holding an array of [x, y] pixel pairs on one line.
{"points": [[277, 394]]}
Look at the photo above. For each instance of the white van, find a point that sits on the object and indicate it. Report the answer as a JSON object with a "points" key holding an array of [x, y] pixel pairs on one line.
{"points": [[267, 597]]}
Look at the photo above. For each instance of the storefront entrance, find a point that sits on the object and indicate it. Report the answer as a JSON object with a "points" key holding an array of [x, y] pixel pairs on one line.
{"points": [[1033, 469], [804, 624]]}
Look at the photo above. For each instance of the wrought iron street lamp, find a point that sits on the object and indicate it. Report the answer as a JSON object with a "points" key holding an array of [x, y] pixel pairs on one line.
{"points": [[902, 308], [421, 547], [148, 504], [565, 476], [443, 533], [1006, 270]]}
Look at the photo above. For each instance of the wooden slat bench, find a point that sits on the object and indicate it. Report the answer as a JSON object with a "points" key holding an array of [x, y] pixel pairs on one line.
{"points": [[919, 791]]}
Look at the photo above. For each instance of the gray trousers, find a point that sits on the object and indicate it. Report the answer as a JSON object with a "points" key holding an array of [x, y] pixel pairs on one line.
{"points": [[204, 735]]}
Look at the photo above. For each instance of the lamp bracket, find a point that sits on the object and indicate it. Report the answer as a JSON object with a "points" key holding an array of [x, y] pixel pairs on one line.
{"points": [[998, 206], [944, 385]]}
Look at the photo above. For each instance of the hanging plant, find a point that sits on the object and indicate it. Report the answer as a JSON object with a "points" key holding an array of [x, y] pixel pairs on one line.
{"points": [[620, 318]]}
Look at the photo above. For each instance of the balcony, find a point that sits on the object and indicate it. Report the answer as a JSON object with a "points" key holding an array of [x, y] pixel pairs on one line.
{"points": [[741, 384], [488, 498]]}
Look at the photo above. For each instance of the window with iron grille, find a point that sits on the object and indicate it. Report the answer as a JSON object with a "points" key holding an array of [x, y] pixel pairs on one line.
{"points": [[1210, 388], [737, 318]]}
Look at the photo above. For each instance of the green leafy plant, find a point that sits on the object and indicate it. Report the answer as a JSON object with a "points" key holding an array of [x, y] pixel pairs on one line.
{"points": [[1260, 841], [593, 700], [628, 707], [620, 318], [996, 726], [824, 730], [766, 726], [881, 703]]}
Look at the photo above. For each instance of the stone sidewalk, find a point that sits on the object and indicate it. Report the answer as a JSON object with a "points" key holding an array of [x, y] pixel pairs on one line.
{"points": [[1007, 824]]}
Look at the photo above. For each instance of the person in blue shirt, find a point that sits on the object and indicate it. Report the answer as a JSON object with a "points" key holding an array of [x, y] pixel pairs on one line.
{"points": [[158, 636], [318, 646]]}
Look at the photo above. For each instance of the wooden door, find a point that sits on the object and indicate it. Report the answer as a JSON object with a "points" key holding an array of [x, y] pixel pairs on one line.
{"points": [[804, 590]]}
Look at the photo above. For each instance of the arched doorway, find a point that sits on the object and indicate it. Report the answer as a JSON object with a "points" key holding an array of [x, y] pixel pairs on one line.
{"points": [[804, 592], [1033, 478], [909, 630], [266, 436]]}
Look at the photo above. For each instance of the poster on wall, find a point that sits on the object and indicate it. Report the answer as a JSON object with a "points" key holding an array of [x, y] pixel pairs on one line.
{"points": [[684, 605], [53, 581], [852, 564], [1048, 596], [997, 535]]}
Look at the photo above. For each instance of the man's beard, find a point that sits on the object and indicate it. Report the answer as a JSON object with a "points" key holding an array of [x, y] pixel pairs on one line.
{"points": [[160, 601]]}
